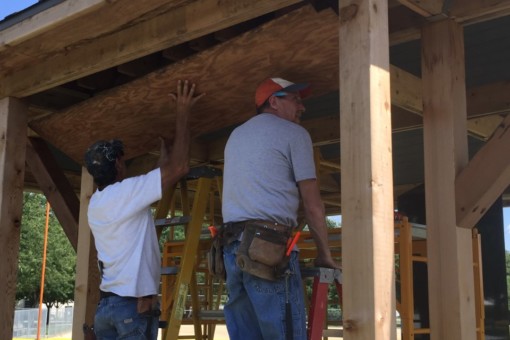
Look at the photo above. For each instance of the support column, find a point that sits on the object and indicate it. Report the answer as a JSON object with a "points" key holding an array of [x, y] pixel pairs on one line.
{"points": [[13, 131], [86, 287], [450, 262], [367, 182]]}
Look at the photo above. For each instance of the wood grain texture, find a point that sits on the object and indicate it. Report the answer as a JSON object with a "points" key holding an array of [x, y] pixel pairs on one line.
{"points": [[67, 26], [55, 186], [366, 182], [484, 179], [424, 7], [150, 32], [13, 121], [140, 111], [86, 287], [450, 265]]}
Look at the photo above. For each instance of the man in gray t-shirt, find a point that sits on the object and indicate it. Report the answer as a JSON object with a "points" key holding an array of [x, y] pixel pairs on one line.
{"points": [[269, 166]]}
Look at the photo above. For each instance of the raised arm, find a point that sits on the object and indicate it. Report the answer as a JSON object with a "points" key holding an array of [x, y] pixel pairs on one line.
{"points": [[316, 218], [174, 161]]}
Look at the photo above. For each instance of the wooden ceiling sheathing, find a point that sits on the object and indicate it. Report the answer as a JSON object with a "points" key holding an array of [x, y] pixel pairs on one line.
{"points": [[301, 46]]}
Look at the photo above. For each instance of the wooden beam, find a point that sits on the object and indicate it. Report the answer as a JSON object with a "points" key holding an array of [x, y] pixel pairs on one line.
{"points": [[406, 27], [488, 99], [473, 11], [86, 287], [450, 260], [426, 8], [177, 25], [406, 90], [65, 26], [406, 93], [367, 184], [484, 127], [484, 179], [46, 20], [13, 126], [55, 186]]}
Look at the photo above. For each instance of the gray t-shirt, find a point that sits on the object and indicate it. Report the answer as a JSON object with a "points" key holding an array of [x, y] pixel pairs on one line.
{"points": [[264, 159]]}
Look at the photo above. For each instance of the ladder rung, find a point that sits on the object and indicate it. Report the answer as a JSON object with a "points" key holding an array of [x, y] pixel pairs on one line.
{"points": [[212, 314], [177, 220], [169, 270]]}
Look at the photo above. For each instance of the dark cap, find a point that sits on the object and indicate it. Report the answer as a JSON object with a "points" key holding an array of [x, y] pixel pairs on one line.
{"points": [[100, 160]]}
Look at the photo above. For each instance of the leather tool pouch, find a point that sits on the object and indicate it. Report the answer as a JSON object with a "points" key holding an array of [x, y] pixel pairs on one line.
{"points": [[262, 249], [148, 305], [215, 257], [227, 234]]}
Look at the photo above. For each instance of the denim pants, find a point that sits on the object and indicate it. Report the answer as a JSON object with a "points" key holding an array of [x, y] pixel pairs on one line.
{"points": [[255, 308], [117, 318]]}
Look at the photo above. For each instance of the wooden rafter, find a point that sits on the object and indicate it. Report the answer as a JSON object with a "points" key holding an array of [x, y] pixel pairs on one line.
{"points": [[117, 45], [472, 11], [426, 8], [55, 187], [484, 179]]}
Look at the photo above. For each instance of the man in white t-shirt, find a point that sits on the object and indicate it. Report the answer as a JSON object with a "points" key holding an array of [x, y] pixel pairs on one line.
{"points": [[123, 228]]}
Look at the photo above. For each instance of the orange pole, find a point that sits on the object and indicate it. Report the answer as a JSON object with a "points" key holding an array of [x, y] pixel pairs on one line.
{"points": [[43, 270]]}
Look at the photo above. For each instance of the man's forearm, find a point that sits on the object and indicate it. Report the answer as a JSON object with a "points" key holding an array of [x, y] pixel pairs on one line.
{"points": [[179, 153]]}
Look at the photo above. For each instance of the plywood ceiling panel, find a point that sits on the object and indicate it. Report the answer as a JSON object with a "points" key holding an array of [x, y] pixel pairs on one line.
{"points": [[301, 46]]}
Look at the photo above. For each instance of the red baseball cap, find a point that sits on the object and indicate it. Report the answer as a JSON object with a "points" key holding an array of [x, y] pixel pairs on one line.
{"points": [[272, 85]]}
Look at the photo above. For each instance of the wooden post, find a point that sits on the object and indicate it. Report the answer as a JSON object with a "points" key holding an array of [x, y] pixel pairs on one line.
{"points": [[13, 127], [367, 183], [450, 265], [406, 280], [86, 287]]}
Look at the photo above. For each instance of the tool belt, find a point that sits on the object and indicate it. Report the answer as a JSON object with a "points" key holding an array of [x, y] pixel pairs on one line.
{"points": [[145, 305], [148, 305], [262, 249], [227, 233], [261, 252]]}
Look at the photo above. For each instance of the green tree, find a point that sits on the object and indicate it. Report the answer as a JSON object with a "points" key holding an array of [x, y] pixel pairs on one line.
{"points": [[60, 258]]}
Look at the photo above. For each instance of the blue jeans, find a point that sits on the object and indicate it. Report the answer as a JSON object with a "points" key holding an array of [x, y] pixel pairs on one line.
{"points": [[117, 318], [256, 307]]}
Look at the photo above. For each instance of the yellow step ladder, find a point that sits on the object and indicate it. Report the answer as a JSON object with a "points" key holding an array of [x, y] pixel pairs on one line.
{"points": [[182, 259]]}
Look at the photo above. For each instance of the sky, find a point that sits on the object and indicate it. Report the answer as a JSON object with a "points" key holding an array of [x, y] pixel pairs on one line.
{"points": [[10, 6]]}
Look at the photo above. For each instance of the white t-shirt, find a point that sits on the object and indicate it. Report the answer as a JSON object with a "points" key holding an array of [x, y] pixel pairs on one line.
{"points": [[125, 236]]}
